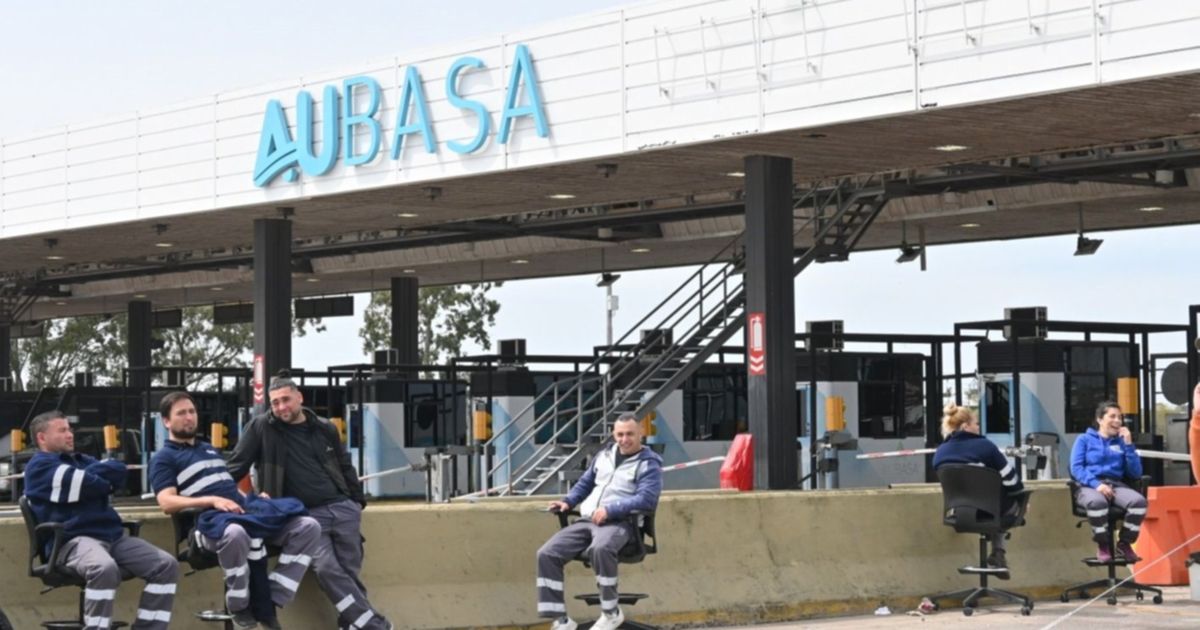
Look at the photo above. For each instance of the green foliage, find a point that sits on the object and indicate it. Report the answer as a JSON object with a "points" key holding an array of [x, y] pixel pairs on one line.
{"points": [[448, 317]]}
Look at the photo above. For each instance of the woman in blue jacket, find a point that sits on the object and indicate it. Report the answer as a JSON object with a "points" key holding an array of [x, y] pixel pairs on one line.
{"points": [[964, 445], [1102, 460]]}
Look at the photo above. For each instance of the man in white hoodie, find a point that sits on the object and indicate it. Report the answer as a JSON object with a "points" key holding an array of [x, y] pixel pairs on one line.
{"points": [[623, 480]]}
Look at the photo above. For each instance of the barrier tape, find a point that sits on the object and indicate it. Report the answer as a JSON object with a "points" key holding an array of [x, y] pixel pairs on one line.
{"points": [[904, 453], [1175, 457], [1114, 587], [695, 462]]}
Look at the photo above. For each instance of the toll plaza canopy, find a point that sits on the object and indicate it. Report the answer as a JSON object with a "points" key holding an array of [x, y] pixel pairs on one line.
{"points": [[616, 141]]}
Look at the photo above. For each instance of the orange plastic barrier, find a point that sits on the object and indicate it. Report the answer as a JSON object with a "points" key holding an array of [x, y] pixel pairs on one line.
{"points": [[1194, 442], [737, 472], [1172, 518]]}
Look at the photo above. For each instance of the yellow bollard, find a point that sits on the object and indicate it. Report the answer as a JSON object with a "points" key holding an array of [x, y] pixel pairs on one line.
{"points": [[1127, 395], [482, 425], [835, 413], [340, 423], [112, 438]]}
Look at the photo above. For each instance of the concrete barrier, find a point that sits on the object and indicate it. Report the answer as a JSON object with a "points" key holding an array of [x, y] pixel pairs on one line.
{"points": [[734, 558]]}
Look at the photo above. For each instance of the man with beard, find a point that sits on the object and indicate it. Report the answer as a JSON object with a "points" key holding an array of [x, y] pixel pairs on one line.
{"points": [[188, 472], [297, 453]]}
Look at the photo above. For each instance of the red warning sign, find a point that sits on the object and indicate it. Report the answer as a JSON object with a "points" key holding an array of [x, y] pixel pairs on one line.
{"points": [[260, 386], [756, 325]]}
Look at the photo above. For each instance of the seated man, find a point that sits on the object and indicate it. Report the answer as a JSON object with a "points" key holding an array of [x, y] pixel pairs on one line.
{"points": [[188, 472], [623, 479], [70, 488]]}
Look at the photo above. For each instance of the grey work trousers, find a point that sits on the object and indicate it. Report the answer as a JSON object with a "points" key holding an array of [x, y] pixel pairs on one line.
{"points": [[338, 563], [602, 543], [104, 564], [1097, 506], [298, 542]]}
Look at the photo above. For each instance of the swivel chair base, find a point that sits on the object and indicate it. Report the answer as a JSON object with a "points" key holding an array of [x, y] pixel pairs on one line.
{"points": [[1106, 583], [970, 596], [623, 599]]}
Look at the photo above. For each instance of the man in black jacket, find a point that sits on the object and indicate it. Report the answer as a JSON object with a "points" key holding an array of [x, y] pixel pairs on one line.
{"points": [[299, 454]]}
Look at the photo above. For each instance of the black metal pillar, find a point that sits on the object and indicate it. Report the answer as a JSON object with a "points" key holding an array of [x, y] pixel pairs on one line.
{"points": [[771, 396], [5, 358], [141, 325], [272, 296], [405, 299]]}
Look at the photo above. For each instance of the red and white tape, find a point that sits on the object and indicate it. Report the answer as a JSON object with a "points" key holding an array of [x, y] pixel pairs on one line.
{"points": [[904, 453]]}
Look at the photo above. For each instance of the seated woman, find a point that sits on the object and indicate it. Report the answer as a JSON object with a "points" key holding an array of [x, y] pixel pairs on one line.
{"points": [[964, 445], [1102, 461]]}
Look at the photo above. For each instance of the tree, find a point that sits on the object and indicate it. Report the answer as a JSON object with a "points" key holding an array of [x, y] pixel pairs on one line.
{"points": [[447, 317], [99, 344]]}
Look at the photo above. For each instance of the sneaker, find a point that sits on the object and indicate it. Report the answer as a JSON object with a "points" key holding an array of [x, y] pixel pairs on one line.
{"points": [[1126, 551], [564, 623], [997, 560], [609, 621], [1103, 552], [244, 619]]}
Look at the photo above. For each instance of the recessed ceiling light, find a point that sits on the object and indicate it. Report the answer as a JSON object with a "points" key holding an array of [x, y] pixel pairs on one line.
{"points": [[139, 296], [640, 250], [60, 303], [54, 257], [520, 261], [312, 279], [407, 215], [410, 271], [560, 196], [735, 174], [968, 225], [216, 288], [164, 244], [950, 147], [1194, 115], [1151, 209]]}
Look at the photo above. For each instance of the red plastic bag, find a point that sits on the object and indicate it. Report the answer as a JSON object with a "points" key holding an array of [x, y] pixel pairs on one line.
{"points": [[737, 471]]}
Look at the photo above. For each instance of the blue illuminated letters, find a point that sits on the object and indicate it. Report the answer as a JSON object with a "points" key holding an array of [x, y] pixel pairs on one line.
{"points": [[346, 127]]}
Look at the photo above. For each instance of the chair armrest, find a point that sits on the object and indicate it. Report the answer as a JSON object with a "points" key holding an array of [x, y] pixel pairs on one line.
{"points": [[56, 530], [563, 516], [134, 527]]}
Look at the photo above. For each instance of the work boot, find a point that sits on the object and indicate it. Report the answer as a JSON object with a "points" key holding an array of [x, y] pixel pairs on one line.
{"points": [[609, 621], [1104, 552], [244, 620], [997, 560], [1126, 550]]}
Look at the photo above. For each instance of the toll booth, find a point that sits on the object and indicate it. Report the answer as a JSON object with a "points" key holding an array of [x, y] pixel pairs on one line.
{"points": [[395, 421]]}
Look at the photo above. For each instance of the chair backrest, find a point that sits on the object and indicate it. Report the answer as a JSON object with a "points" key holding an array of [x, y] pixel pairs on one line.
{"points": [[972, 497], [642, 545], [36, 545]]}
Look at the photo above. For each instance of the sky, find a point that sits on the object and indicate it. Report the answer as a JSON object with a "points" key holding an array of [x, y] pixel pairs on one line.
{"points": [[69, 62]]}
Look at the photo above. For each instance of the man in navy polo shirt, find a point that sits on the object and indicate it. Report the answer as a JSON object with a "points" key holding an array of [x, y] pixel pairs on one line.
{"points": [[188, 472], [73, 489]]}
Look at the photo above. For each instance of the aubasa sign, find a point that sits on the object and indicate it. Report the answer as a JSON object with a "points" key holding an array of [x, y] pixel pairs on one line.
{"points": [[280, 153]]}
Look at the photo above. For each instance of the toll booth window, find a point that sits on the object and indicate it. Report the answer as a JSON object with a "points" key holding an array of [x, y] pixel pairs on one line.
{"points": [[997, 410], [714, 404], [891, 397], [432, 412], [802, 412], [1091, 376]]}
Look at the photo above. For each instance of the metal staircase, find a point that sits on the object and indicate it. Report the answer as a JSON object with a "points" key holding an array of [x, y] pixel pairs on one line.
{"points": [[678, 335]]}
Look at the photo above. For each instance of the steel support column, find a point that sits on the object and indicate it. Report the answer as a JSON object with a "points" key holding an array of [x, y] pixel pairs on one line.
{"points": [[405, 300], [5, 358], [141, 324], [771, 397], [273, 294]]}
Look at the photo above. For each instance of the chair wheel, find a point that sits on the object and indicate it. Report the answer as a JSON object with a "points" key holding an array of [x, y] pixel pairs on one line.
{"points": [[968, 611], [1064, 598], [1026, 610], [1112, 601], [1157, 599], [1140, 596]]}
